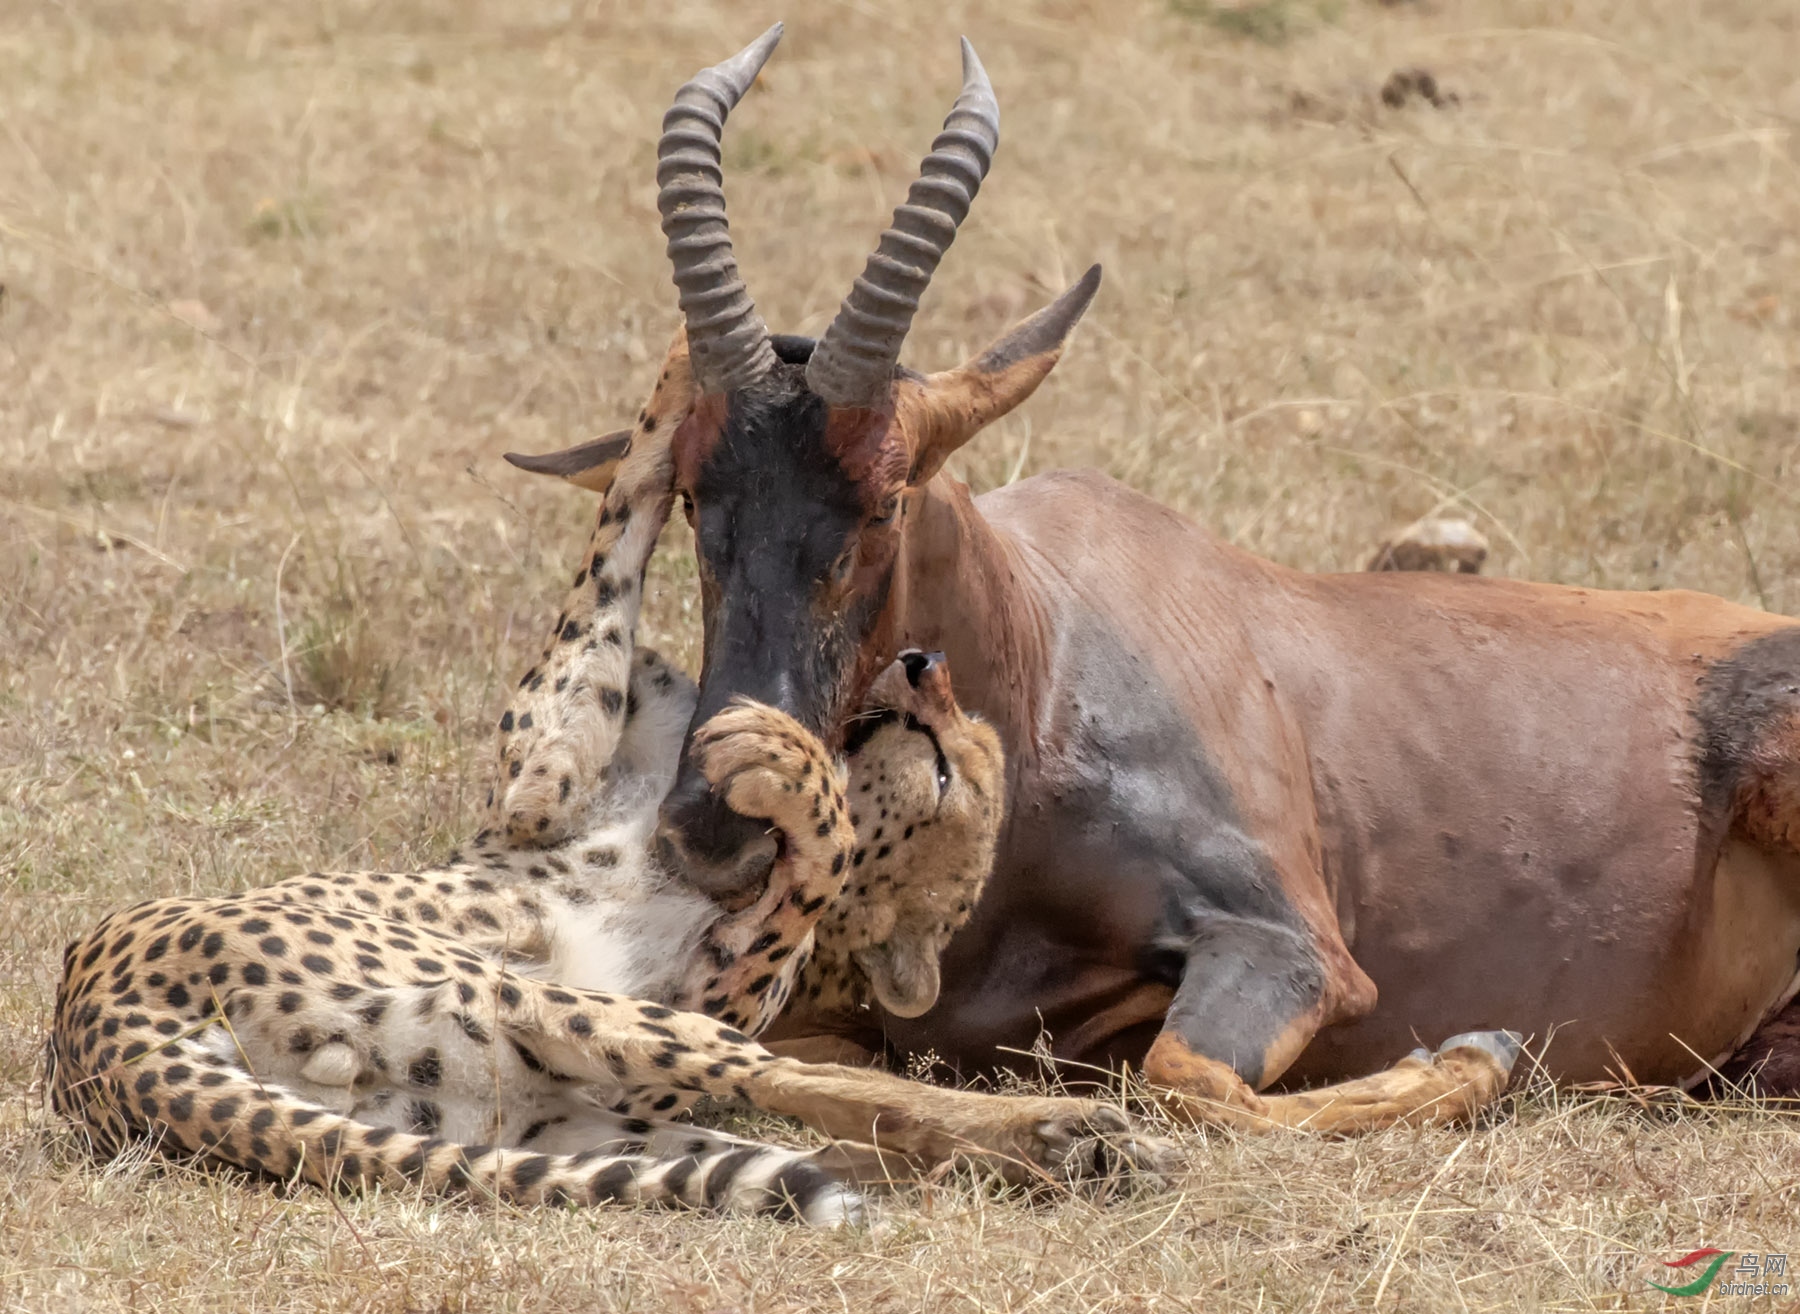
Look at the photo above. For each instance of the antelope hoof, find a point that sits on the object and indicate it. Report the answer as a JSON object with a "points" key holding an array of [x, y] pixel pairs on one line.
{"points": [[1503, 1047]]}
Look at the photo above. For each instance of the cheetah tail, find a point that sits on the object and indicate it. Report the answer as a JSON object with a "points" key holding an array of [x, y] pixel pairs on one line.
{"points": [[189, 1100]]}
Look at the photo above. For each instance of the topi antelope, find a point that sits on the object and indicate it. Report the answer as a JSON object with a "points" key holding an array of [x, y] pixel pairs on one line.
{"points": [[1267, 829]]}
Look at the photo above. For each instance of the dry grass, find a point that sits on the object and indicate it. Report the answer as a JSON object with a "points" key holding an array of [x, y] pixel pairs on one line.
{"points": [[282, 282]]}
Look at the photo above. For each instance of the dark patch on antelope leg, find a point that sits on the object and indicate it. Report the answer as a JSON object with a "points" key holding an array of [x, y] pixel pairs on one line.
{"points": [[1250, 996], [1144, 863]]}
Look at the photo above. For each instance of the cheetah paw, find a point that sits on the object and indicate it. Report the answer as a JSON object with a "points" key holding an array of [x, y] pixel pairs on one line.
{"points": [[765, 764], [539, 807], [1097, 1143]]}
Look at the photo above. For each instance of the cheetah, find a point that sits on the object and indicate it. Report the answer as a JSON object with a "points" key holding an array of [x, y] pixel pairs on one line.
{"points": [[529, 1020]]}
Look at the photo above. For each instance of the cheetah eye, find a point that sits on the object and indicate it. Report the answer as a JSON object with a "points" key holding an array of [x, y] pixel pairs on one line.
{"points": [[943, 773]]}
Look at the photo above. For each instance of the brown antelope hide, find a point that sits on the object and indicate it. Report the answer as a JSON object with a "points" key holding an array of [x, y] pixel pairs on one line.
{"points": [[1266, 829]]}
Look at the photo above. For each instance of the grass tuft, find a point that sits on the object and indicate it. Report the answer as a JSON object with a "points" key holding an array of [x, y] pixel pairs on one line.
{"points": [[343, 659], [292, 217], [1269, 22]]}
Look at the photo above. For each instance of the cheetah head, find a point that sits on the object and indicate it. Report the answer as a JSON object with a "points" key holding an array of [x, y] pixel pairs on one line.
{"points": [[927, 794]]}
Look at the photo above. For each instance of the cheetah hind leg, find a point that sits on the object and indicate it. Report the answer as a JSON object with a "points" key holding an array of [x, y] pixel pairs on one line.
{"points": [[454, 1074], [572, 1131]]}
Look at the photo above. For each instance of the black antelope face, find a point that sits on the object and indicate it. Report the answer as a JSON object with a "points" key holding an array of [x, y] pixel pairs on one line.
{"points": [[795, 461], [794, 508]]}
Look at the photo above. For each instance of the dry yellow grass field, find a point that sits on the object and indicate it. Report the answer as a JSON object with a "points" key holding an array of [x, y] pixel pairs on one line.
{"points": [[283, 282]]}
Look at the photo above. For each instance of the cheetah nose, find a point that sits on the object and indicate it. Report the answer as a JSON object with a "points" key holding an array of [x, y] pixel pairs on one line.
{"points": [[918, 664]]}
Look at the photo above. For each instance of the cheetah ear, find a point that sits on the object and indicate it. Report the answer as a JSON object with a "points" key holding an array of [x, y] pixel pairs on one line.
{"points": [[903, 974], [589, 465]]}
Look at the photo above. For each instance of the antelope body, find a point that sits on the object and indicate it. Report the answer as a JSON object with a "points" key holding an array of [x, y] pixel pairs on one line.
{"points": [[1265, 827]]}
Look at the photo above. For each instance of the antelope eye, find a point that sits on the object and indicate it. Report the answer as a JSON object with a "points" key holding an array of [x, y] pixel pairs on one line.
{"points": [[885, 513], [687, 506]]}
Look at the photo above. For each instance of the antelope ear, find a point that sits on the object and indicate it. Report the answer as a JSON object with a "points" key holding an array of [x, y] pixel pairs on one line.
{"points": [[941, 412], [902, 973], [589, 465]]}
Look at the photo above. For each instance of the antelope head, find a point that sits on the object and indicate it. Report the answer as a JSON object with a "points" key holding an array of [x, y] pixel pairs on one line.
{"points": [[796, 460]]}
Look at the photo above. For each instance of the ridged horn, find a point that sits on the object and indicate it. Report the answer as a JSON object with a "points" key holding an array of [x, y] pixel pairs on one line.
{"points": [[727, 340], [853, 364]]}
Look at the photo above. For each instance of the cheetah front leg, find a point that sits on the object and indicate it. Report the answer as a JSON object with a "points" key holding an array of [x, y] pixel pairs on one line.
{"points": [[664, 1059], [564, 722], [1020, 1137], [765, 765]]}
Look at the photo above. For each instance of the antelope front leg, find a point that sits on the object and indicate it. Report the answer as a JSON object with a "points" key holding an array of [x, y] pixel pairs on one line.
{"points": [[824, 1048], [1467, 1073], [1251, 999]]}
